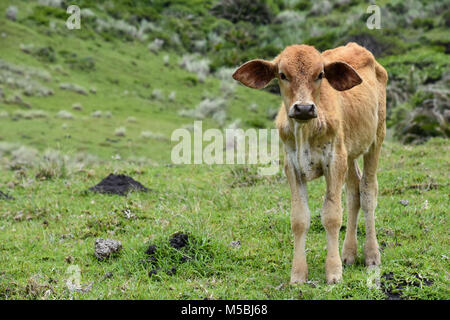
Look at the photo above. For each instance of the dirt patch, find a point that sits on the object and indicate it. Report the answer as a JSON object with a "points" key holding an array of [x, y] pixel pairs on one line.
{"points": [[4, 196], [420, 187], [118, 184], [393, 288]]}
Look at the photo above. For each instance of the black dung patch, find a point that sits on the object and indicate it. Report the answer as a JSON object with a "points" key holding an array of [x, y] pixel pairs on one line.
{"points": [[4, 196], [118, 184], [153, 272], [393, 288], [179, 240], [172, 271], [151, 250]]}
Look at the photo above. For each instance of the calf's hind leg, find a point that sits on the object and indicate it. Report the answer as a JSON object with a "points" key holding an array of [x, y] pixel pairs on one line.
{"points": [[350, 248]]}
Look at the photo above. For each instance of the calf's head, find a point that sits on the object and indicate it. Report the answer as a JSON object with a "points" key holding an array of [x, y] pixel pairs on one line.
{"points": [[300, 70]]}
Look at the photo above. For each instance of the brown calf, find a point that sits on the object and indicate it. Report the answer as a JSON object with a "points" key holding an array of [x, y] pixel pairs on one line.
{"points": [[333, 111]]}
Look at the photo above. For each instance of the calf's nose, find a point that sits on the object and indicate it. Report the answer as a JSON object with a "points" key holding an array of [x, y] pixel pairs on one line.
{"points": [[303, 111]]}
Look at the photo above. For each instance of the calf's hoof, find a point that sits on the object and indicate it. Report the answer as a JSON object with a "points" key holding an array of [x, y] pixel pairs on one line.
{"points": [[372, 257], [298, 278], [349, 255], [334, 278], [333, 269]]}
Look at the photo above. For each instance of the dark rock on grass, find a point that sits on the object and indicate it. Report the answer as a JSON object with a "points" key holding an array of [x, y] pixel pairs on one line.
{"points": [[179, 240], [4, 196], [118, 184], [104, 248]]}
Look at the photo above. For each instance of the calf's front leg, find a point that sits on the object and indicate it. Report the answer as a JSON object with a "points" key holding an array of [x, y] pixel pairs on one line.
{"points": [[332, 218], [300, 221]]}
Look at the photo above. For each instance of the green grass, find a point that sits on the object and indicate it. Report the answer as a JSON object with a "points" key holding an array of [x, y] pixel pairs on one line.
{"points": [[54, 219], [52, 224]]}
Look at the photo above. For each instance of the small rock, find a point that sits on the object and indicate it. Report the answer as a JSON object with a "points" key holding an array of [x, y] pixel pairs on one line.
{"points": [[19, 216], [105, 247], [404, 202], [235, 244]]}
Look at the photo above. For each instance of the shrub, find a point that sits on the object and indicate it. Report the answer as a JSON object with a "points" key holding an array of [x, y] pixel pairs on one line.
{"points": [[63, 114], [290, 18], [45, 54], [52, 3], [83, 64], [227, 87], [157, 94], [153, 135], [77, 107], [29, 115], [321, 8], [193, 63], [73, 87], [156, 45], [166, 60], [254, 11], [52, 165], [97, 114], [225, 74], [120, 132], [23, 157], [172, 96], [213, 108], [11, 13]]}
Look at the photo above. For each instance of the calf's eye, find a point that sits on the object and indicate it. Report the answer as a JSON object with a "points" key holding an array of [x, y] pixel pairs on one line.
{"points": [[320, 76], [283, 76]]}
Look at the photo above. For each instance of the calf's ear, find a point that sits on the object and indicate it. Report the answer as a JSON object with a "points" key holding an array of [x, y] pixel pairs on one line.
{"points": [[256, 74], [341, 75]]}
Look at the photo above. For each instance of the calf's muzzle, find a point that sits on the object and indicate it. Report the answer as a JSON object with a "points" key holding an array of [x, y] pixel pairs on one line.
{"points": [[303, 111]]}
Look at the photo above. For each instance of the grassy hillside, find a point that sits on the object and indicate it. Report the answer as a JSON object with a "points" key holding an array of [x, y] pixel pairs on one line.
{"points": [[76, 105]]}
